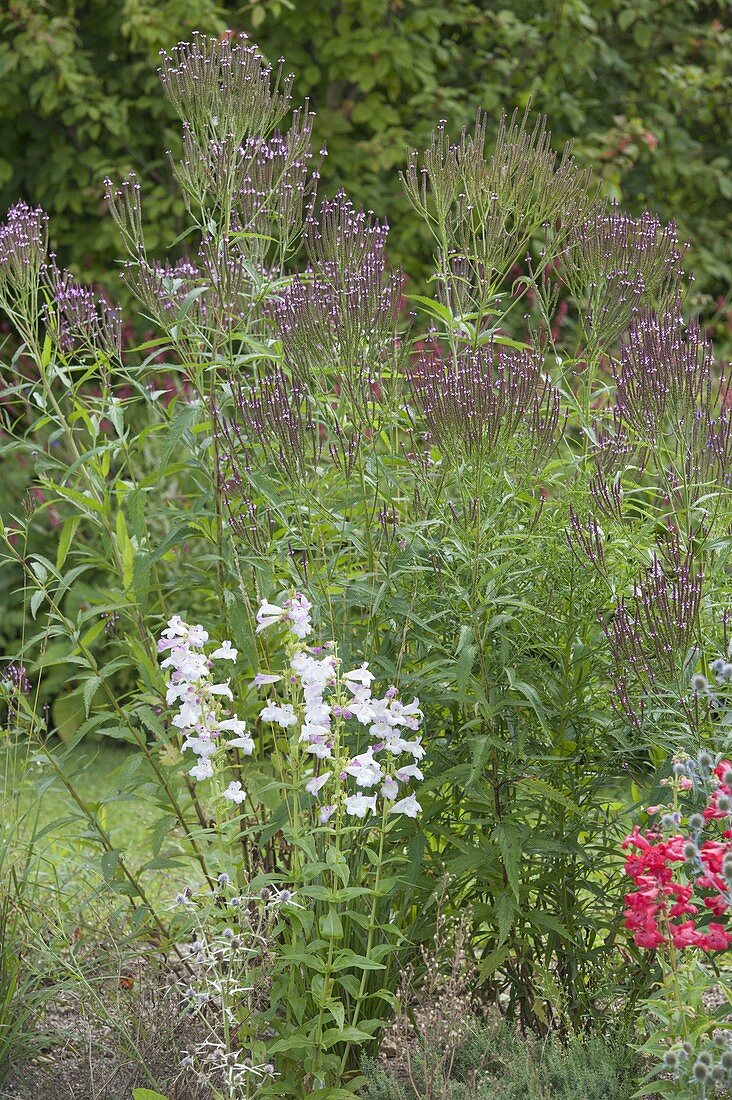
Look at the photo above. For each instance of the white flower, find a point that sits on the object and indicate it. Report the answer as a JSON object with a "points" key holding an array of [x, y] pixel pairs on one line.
{"points": [[313, 732], [314, 785], [197, 636], [365, 770], [202, 770], [188, 715], [202, 746], [234, 792], [326, 813], [282, 715], [225, 653], [220, 689], [188, 665], [298, 615], [397, 746], [409, 771], [360, 676], [244, 743], [317, 711], [320, 750], [362, 706], [358, 805], [268, 615], [314, 674], [408, 806], [263, 678], [382, 719], [233, 725], [409, 716], [390, 788], [176, 628]]}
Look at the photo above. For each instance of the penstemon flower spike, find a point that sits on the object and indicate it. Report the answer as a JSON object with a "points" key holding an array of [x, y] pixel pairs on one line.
{"points": [[201, 717], [331, 703]]}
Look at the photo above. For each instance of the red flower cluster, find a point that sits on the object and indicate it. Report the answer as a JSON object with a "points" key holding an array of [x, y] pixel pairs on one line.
{"points": [[657, 908]]}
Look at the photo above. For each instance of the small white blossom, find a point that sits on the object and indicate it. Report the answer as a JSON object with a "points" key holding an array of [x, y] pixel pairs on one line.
{"points": [[202, 746], [314, 785], [358, 805], [221, 689], [245, 744], [267, 615], [202, 770], [321, 750], [281, 715], [225, 652], [234, 793], [408, 806], [407, 772], [262, 678], [365, 770], [360, 676], [390, 788], [233, 725], [298, 615]]}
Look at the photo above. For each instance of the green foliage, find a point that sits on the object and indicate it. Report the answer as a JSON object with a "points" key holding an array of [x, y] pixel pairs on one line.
{"points": [[435, 485], [494, 1063], [642, 88], [686, 1022]]}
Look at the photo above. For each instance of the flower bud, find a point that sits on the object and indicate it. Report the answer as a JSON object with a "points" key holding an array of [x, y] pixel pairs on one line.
{"points": [[696, 822]]}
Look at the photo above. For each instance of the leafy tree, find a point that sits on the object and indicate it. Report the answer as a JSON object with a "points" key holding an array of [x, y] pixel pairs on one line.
{"points": [[642, 86]]}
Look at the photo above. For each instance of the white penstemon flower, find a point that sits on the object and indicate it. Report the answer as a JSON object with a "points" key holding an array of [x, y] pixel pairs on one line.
{"points": [[387, 720], [201, 716]]}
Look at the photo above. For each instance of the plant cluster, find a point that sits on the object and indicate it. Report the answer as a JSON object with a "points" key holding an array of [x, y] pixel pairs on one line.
{"points": [[518, 529]]}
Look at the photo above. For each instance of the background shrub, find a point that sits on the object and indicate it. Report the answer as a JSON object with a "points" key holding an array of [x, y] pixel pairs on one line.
{"points": [[641, 86]]}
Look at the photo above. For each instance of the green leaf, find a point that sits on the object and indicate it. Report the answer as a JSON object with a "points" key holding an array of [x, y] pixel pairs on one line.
{"points": [[331, 926], [345, 1035], [110, 862], [505, 911], [509, 839], [67, 537], [186, 416], [36, 600], [338, 1012], [491, 962], [147, 1094], [91, 686]]}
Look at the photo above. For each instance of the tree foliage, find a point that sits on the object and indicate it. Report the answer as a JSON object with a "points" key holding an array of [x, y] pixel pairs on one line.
{"points": [[641, 86]]}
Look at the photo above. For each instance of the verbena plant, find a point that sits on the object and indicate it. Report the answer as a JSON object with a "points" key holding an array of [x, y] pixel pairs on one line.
{"points": [[506, 501]]}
